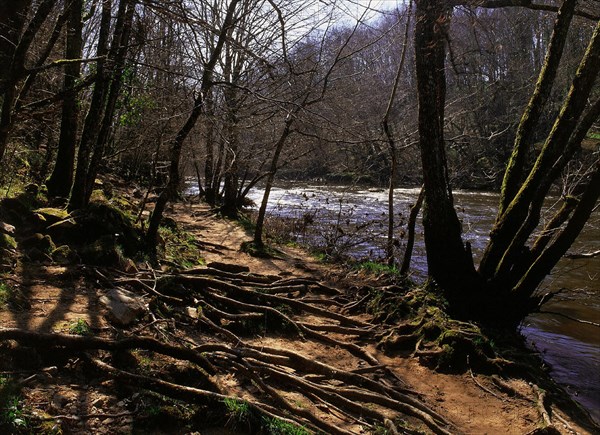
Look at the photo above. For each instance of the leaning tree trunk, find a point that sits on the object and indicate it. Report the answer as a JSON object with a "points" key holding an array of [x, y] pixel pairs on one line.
{"points": [[410, 229], [262, 211], [170, 189], [513, 176], [449, 262], [513, 228]]}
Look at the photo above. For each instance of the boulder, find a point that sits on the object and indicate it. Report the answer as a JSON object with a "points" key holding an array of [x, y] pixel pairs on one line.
{"points": [[35, 254], [14, 211], [6, 228], [102, 252], [64, 255], [39, 241], [124, 307], [51, 215]]}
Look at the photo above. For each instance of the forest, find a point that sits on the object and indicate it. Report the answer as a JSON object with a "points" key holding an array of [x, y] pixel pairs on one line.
{"points": [[181, 314]]}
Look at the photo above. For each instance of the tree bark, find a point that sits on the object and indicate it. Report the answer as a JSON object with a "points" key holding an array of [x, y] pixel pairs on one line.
{"points": [[513, 175], [449, 263], [59, 183], [94, 114]]}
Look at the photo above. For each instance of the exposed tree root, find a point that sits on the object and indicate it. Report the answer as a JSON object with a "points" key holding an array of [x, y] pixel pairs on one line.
{"points": [[76, 342], [218, 313]]}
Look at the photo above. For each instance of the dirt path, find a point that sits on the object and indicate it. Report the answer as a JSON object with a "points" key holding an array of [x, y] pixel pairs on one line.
{"points": [[279, 369]]}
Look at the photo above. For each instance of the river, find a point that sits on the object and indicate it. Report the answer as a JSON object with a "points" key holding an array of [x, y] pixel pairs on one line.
{"points": [[347, 220]]}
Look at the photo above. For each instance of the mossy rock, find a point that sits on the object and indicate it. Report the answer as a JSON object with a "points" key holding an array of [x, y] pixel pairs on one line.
{"points": [[101, 219], [7, 242], [42, 242], [64, 255], [102, 252], [61, 229], [52, 215], [98, 196]]}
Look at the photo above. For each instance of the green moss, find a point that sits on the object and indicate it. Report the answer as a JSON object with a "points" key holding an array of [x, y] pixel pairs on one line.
{"points": [[52, 215], [5, 294], [180, 247], [98, 196], [80, 327], [7, 242]]}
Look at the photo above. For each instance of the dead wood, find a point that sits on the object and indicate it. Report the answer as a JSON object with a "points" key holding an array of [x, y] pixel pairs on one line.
{"points": [[541, 399]]}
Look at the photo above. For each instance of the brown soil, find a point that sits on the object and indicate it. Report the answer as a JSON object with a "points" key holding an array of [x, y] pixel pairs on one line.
{"points": [[53, 297]]}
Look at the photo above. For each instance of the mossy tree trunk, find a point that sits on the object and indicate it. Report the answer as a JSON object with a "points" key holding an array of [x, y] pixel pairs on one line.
{"points": [[510, 271], [515, 225], [100, 115]]}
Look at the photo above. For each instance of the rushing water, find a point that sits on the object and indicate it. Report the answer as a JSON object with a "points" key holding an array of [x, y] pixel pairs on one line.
{"points": [[355, 220]]}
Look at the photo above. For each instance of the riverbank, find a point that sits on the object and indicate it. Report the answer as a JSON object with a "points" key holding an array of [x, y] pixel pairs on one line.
{"points": [[254, 360], [351, 221]]}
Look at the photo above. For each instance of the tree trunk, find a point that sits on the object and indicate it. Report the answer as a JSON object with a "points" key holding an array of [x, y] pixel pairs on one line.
{"points": [[94, 114], [206, 83], [410, 226], [449, 263], [16, 67], [59, 183], [392, 144], [119, 48], [262, 211]]}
